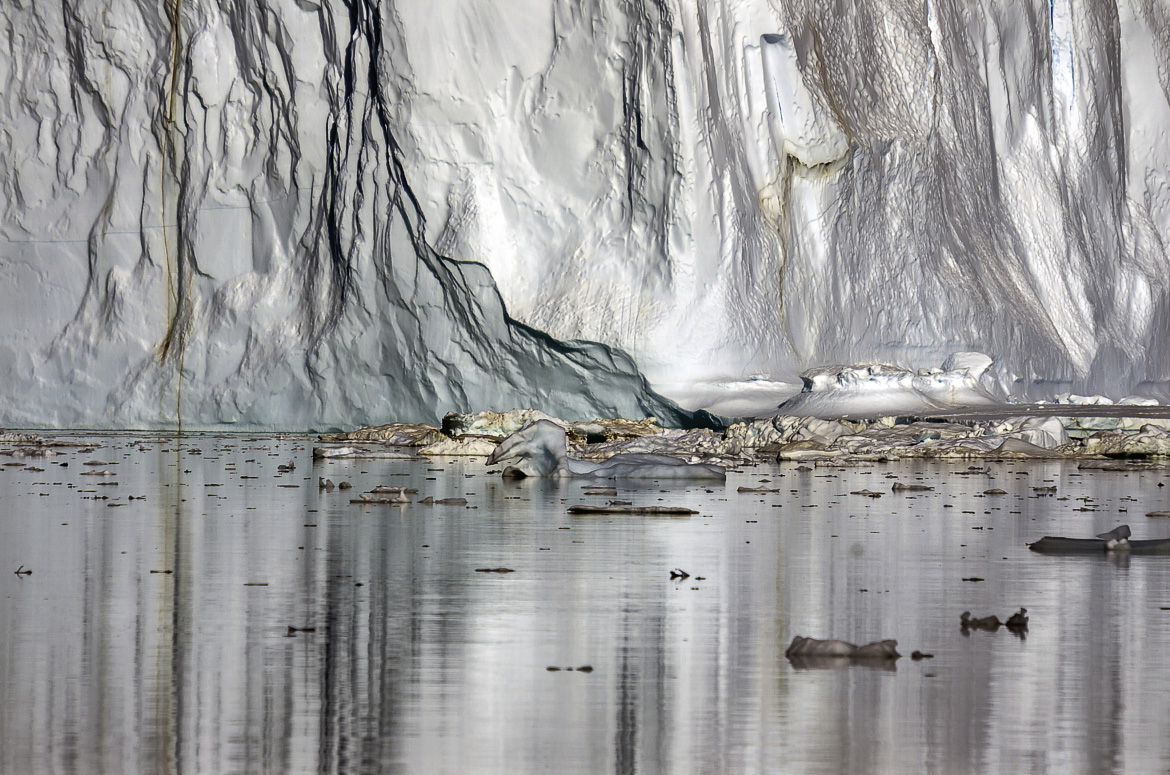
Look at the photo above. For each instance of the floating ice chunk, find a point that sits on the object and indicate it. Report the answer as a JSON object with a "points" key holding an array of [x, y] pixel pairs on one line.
{"points": [[541, 449], [1046, 432], [396, 433], [874, 389], [498, 424], [470, 446], [1149, 441]]}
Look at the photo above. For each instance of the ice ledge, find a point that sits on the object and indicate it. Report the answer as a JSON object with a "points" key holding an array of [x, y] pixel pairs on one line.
{"points": [[877, 389]]}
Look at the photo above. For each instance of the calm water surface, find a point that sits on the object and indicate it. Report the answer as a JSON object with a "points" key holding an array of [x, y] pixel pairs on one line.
{"points": [[153, 634]]}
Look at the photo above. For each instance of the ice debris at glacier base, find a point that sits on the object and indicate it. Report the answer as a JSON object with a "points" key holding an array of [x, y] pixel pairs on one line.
{"points": [[787, 437], [541, 449]]}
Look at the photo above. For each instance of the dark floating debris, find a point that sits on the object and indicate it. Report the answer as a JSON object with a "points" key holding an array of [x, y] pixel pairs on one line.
{"points": [[292, 631], [630, 510], [995, 491], [812, 647], [1158, 514], [585, 669], [22, 571], [164, 572], [986, 623], [1045, 490], [429, 501], [1122, 465], [494, 570], [758, 489], [918, 656], [1018, 621], [867, 493], [680, 574], [973, 578], [900, 487], [1115, 542]]}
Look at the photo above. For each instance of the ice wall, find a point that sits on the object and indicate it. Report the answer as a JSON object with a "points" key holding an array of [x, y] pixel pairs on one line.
{"points": [[206, 215], [238, 212], [735, 188]]}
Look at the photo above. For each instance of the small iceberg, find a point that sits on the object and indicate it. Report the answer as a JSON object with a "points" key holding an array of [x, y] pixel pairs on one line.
{"points": [[541, 449], [875, 389]]}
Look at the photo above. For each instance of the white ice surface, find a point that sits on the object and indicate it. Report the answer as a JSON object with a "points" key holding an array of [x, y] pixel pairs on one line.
{"points": [[733, 398], [541, 449], [876, 390], [236, 213]]}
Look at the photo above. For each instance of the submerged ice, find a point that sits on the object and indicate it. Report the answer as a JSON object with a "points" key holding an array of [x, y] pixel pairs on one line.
{"points": [[308, 214]]}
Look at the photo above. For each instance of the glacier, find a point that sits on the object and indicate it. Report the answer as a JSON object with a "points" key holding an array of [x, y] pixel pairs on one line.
{"points": [[310, 214]]}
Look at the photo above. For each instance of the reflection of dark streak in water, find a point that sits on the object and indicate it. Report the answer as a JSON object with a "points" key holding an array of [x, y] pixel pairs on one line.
{"points": [[626, 735], [643, 704], [168, 692], [429, 664]]}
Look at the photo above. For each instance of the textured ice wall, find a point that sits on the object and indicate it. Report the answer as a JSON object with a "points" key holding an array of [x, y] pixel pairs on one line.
{"points": [[205, 215], [735, 187], [237, 208]]}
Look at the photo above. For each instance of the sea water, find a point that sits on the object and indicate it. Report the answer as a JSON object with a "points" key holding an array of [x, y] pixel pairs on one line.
{"points": [[198, 609]]}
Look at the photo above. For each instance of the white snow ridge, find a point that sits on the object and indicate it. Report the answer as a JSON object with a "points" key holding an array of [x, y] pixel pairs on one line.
{"points": [[317, 213]]}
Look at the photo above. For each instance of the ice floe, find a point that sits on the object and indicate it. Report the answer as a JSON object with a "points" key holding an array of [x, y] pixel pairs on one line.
{"points": [[872, 390], [540, 449]]}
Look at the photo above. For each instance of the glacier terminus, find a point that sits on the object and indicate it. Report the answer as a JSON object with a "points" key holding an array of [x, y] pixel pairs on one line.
{"points": [[291, 214]]}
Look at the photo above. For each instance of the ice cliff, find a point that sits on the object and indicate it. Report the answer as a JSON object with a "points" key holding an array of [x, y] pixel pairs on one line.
{"points": [[283, 213]]}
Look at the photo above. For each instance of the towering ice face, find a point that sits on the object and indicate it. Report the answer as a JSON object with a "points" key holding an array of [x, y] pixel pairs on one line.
{"points": [[735, 188], [207, 216], [237, 212]]}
